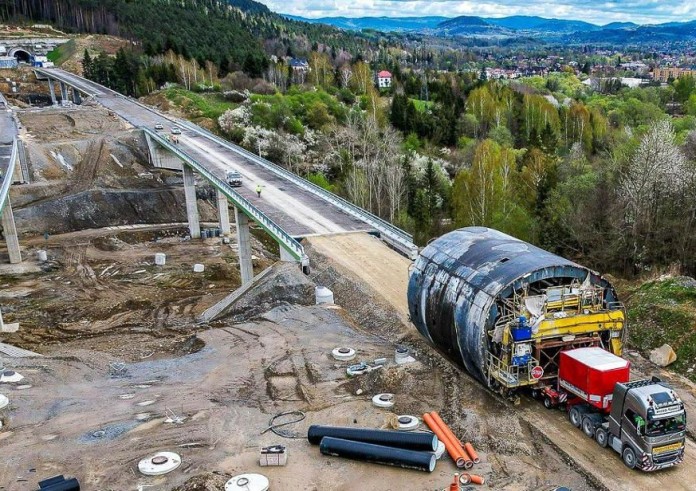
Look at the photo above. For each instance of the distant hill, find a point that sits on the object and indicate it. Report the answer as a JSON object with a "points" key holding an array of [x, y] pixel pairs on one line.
{"points": [[464, 20], [518, 22], [671, 32], [396, 24], [620, 25], [455, 24], [518, 26], [470, 26], [250, 6], [561, 26]]}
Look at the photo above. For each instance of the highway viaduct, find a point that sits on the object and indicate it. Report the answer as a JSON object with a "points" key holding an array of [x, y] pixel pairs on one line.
{"points": [[290, 207]]}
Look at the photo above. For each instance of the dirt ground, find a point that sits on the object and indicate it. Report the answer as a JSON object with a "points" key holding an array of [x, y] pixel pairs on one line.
{"points": [[118, 332], [87, 169], [387, 271]]}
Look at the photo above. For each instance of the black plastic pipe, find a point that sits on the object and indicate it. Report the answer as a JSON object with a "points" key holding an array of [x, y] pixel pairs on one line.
{"points": [[59, 483], [398, 439], [378, 454]]}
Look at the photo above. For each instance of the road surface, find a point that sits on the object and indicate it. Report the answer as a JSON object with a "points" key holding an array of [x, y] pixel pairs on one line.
{"points": [[299, 212], [8, 132], [373, 262]]}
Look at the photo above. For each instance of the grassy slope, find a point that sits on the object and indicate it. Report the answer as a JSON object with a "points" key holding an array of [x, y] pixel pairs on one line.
{"points": [[664, 311], [196, 105], [62, 52]]}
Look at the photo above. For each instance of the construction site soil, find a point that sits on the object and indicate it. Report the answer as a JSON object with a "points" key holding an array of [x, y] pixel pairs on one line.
{"points": [[123, 352], [127, 369], [89, 169]]}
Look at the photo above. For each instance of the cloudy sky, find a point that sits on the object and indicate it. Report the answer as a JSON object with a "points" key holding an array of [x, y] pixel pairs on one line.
{"points": [[595, 11]]}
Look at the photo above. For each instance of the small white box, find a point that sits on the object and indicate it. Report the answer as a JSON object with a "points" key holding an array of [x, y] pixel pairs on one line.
{"points": [[275, 455]]}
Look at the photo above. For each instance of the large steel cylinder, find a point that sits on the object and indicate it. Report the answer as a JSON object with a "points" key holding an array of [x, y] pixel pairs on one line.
{"points": [[459, 280]]}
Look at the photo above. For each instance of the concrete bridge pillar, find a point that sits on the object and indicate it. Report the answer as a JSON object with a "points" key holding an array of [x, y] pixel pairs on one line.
{"points": [[63, 92], [161, 157], [191, 206], [246, 267], [77, 98], [51, 90], [286, 257], [9, 230], [224, 213]]}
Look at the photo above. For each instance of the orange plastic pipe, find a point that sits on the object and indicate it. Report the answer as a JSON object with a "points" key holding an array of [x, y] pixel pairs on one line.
{"points": [[452, 449], [469, 463], [466, 478], [454, 486], [472, 453]]}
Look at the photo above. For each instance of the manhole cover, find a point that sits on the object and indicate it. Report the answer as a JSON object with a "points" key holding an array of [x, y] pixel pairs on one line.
{"points": [[407, 423], [160, 463], [10, 376], [248, 482]]}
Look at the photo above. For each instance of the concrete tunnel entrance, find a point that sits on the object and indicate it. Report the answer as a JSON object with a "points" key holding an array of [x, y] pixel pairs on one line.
{"points": [[22, 55]]}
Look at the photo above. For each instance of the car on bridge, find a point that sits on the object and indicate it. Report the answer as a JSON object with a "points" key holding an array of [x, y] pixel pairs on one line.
{"points": [[176, 130], [234, 178], [159, 127]]}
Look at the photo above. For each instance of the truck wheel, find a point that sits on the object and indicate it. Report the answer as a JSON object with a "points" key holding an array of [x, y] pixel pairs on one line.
{"points": [[602, 437], [575, 417], [588, 426], [629, 457], [548, 403]]}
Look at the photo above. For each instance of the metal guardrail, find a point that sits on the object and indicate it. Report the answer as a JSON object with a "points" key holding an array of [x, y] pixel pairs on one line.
{"points": [[60, 75], [284, 239], [390, 233], [9, 176]]}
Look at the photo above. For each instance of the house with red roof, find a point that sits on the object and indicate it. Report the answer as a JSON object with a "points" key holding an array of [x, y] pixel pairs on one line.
{"points": [[384, 79]]}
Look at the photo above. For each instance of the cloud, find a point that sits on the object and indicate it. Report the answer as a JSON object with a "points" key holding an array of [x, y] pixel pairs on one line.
{"points": [[598, 12]]}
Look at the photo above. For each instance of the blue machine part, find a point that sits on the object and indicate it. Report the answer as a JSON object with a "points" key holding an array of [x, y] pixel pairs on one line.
{"points": [[522, 331]]}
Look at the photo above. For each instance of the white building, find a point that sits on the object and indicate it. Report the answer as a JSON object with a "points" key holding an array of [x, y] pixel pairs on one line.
{"points": [[384, 79]]}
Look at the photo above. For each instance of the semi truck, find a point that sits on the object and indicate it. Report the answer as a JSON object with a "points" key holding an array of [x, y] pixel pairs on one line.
{"points": [[644, 420], [521, 319]]}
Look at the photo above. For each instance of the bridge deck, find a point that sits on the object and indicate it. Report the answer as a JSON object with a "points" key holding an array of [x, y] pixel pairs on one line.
{"points": [[8, 132], [296, 210]]}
